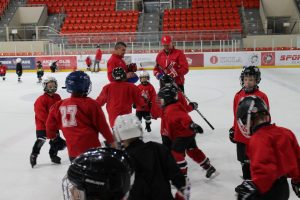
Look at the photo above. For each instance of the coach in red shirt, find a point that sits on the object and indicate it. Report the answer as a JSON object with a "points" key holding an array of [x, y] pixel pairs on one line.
{"points": [[171, 61], [117, 60]]}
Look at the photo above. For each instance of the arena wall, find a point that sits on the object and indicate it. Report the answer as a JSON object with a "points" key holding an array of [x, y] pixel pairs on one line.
{"points": [[207, 60]]}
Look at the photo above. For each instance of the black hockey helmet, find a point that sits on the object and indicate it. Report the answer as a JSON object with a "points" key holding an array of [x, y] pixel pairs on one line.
{"points": [[168, 95], [250, 71], [100, 173], [119, 74], [166, 80], [248, 109]]}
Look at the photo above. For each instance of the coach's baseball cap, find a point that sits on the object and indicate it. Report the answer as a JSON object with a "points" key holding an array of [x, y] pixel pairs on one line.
{"points": [[166, 40]]}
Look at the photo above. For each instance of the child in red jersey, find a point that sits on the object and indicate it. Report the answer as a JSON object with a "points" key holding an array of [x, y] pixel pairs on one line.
{"points": [[250, 78], [79, 117], [3, 69], [273, 152], [182, 131], [149, 95], [119, 96], [88, 62], [41, 108]]}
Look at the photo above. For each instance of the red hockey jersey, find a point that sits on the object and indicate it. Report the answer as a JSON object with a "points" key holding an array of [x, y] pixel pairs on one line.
{"points": [[238, 136], [41, 109], [119, 97], [180, 64], [177, 121], [157, 111], [273, 152], [114, 62], [88, 61], [3, 69], [98, 55], [148, 93], [80, 119]]}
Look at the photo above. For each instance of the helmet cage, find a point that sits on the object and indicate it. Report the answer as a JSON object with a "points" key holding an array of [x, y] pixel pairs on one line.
{"points": [[45, 85]]}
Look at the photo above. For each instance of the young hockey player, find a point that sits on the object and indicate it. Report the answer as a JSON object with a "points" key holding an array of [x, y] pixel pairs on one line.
{"points": [[39, 71], [154, 165], [250, 78], [273, 153], [19, 68], [119, 96], [99, 174], [167, 80], [3, 69], [182, 130], [88, 62], [41, 108], [79, 117], [149, 95], [53, 67]]}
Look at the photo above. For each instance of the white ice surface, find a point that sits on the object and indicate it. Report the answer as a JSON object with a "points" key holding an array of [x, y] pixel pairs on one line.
{"points": [[212, 89]]}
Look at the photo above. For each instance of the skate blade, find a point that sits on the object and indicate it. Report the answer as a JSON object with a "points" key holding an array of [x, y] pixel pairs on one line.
{"points": [[214, 175]]}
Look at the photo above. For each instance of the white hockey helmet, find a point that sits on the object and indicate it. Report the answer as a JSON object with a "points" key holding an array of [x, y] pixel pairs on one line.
{"points": [[127, 126], [18, 60], [48, 80], [144, 74]]}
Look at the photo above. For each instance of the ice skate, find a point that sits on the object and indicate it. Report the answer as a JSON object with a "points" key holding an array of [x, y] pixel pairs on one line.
{"points": [[55, 159], [33, 158], [3, 78], [211, 172]]}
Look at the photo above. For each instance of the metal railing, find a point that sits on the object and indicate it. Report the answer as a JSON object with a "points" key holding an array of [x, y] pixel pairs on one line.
{"points": [[275, 26]]}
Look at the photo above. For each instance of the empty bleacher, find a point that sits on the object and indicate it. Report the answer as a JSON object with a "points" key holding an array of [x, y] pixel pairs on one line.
{"points": [[92, 16]]}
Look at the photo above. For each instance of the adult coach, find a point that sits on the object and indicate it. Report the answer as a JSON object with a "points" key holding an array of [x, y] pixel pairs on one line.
{"points": [[171, 61]]}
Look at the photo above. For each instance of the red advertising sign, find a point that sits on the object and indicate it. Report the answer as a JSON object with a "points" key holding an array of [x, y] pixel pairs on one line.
{"points": [[63, 62], [195, 60], [267, 58]]}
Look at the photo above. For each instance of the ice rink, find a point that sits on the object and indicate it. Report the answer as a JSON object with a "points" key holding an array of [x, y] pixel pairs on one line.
{"points": [[212, 89]]}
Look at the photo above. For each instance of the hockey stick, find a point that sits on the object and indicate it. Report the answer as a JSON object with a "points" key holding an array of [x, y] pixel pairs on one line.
{"points": [[204, 118]]}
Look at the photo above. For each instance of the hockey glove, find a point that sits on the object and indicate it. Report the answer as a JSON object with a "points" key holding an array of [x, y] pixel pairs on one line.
{"points": [[296, 188], [159, 75], [132, 67], [194, 105], [231, 135], [133, 79], [58, 143], [246, 190], [196, 128]]}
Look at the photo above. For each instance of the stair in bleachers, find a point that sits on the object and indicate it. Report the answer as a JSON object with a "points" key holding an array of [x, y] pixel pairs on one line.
{"points": [[124, 5], [182, 4], [254, 23], [55, 22], [298, 4], [9, 8]]}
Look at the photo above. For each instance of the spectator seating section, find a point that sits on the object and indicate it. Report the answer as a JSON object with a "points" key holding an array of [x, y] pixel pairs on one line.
{"points": [[219, 17], [225, 3], [3, 6], [92, 16]]}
